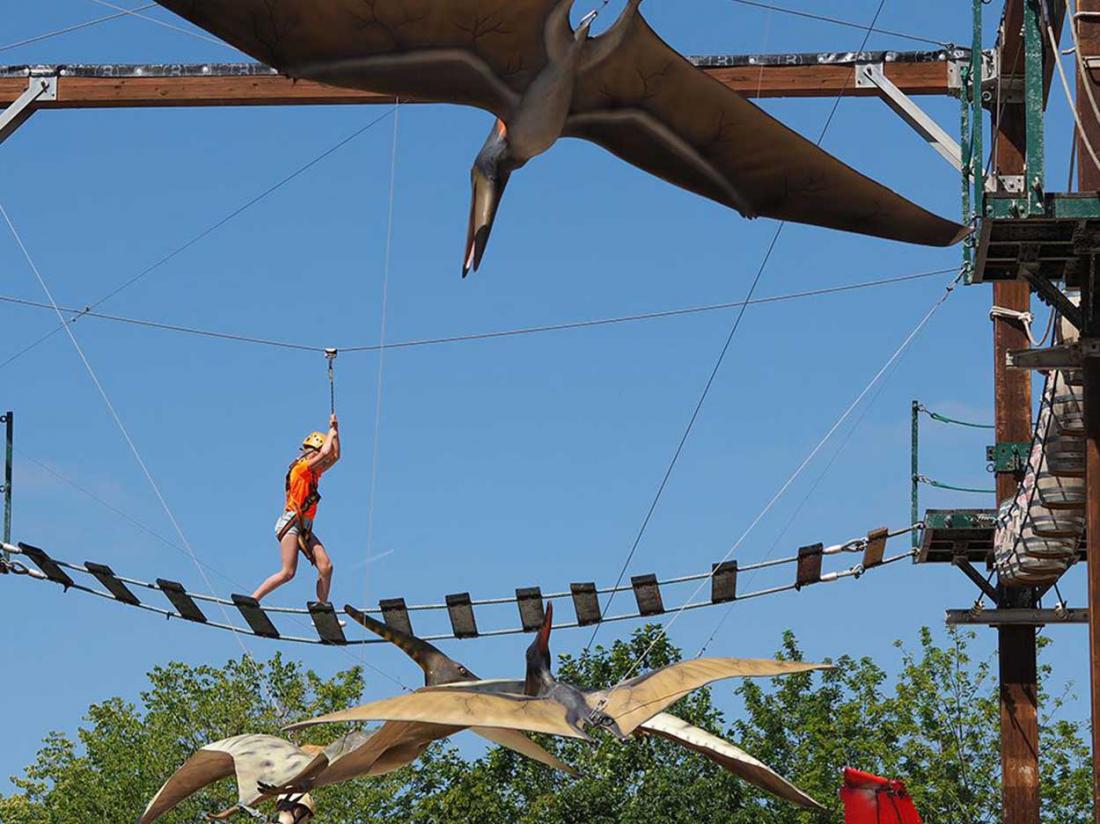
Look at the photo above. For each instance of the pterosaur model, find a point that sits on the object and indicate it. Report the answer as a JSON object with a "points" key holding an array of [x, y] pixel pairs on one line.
{"points": [[626, 90], [267, 767], [542, 704], [540, 681], [252, 760]]}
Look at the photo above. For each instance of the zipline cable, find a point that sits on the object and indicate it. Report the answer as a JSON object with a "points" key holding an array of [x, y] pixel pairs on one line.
{"points": [[480, 336], [902, 348], [201, 235], [38, 38], [729, 340]]}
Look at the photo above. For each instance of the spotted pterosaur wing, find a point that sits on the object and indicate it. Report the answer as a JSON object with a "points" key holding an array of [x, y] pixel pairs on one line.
{"points": [[633, 702], [461, 708], [728, 756], [251, 758], [480, 53], [649, 106]]}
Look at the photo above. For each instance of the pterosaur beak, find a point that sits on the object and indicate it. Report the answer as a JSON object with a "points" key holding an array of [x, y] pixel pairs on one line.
{"points": [[538, 655], [487, 192], [543, 637]]}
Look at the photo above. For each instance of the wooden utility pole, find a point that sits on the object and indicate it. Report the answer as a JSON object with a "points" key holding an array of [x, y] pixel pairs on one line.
{"points": [[1012, 405], [1087, 22]]}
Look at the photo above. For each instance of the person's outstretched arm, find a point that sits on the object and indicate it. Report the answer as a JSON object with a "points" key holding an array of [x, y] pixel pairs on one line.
{"points": [[329, 453]]}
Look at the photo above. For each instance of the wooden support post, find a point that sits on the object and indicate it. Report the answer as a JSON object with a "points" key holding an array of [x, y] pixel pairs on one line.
{"points": [[1012, 407], [1088, 180]]}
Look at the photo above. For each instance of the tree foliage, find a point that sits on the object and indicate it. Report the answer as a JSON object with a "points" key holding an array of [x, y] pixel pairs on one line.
{"points": [[936, 726]]}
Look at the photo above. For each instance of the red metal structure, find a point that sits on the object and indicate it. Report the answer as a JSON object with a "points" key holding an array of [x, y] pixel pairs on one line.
{"points": [[869, 799]]}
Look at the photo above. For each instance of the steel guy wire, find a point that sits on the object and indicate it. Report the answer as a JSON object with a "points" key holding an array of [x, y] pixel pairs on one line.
{"points": [[111, 408], [729, 340], [702, 397], [383, 311], [806, 498], [165, 24], [38, 38], [201, 235], [813, 453], [836, 21]]}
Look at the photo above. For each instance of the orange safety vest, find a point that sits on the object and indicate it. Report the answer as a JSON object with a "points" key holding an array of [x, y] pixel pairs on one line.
{"points": [[301, 489]]}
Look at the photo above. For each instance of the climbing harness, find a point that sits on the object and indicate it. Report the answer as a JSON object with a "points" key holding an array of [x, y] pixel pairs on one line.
{"points": [[330, 356]]}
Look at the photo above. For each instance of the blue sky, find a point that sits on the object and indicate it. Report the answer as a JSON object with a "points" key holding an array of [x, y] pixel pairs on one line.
{"points": [[502, 463]]}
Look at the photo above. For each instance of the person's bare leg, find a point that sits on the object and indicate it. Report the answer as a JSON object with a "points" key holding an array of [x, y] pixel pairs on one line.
{"points": [[324, 570], [288, 549]]}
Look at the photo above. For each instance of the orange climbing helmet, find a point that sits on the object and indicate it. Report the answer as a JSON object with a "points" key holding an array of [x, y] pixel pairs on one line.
{"points": [[314, 440]]}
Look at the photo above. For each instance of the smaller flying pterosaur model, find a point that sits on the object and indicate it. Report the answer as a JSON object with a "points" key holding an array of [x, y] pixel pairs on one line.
{"points": [[253, 760], [542, 704], [625, 90], [540, 681]]}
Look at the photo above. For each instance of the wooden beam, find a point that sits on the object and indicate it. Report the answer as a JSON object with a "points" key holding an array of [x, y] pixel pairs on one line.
{"points": [[1016, 645], [242, 84], [1088, 180], [1016, 617]]}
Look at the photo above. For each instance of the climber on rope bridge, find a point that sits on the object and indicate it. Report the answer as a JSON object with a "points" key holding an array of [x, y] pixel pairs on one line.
{"points": [[294, 529]]}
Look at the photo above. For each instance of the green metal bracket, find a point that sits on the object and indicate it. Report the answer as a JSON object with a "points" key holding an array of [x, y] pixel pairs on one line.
{"points": [[974, 88], [959, 519], [1035, 107], [1008, 456], [8, 420], [914, 494], [1031, 202]]}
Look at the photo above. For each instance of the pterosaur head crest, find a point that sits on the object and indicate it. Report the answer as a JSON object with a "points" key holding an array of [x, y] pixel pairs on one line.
{"points": [[489, 176], [539, 673], [438, 668]]}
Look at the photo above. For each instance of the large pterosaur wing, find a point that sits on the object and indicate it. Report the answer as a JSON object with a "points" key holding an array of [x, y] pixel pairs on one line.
{"points": [[649, 106], [732, 758], [251, 758], [520, 743], [480, 53], [634, 702], [461, 709]]}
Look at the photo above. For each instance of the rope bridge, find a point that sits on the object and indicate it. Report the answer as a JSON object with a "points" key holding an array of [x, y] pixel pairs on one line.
{"points": [[460, 607]]}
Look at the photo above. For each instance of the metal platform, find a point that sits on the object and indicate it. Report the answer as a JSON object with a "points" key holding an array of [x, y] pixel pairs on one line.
{"points": [[953, 535], [957, 534], [1054, 245]]}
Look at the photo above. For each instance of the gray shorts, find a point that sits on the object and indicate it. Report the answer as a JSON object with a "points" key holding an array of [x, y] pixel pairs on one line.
{"points": [[292, 519]]}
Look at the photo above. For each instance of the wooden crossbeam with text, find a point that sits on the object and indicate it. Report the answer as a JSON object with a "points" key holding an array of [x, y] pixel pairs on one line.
{"points": [[244, 84]]}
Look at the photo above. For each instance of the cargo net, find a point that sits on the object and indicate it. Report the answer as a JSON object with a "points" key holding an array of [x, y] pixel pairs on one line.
{"points": [[1040, 531], [462, 611]]}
